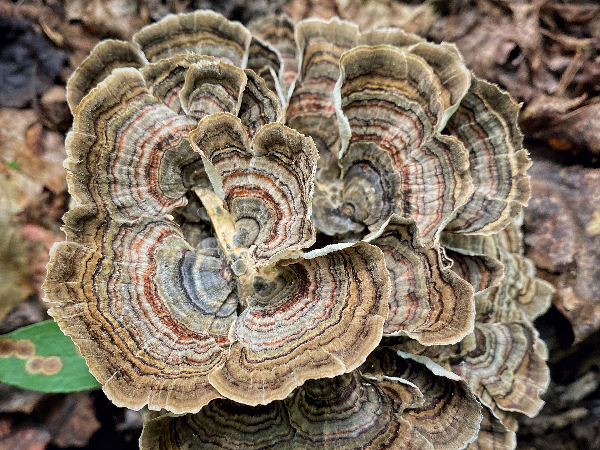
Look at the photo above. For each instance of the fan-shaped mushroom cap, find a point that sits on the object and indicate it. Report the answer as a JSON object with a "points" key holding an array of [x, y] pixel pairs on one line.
{"points": [[109, 295], [267, 188], [278, 31], [190, 193], [106, 56], [449, 414], [507, 367], [259, 107], [480, 271], [126, 150], [211, 88], [310, 108], [153, 314], [504, 364], [493, 435], [317, 318], [350, 413], [270, 350], [266, 62], [428, 301], [222, 425], [486, 123], [201, 32], [444, 59], [343, 413], [519, 295], [389, 107], [168, 328], [165, 78]]}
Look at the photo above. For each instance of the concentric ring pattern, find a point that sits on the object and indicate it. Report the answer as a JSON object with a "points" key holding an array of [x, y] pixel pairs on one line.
{"points": [[301, 235]]}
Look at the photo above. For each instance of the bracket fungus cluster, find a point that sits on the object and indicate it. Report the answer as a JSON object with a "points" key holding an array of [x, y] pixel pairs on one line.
{"points": [[301, 235]]}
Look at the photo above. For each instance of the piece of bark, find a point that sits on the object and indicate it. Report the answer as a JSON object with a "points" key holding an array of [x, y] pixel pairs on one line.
{"points": [[76, 422], [563, 237]]}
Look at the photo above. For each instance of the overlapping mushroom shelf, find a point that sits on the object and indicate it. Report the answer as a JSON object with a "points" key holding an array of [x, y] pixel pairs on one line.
{"points": [[168, 313], [256, 208], [392, 402]]}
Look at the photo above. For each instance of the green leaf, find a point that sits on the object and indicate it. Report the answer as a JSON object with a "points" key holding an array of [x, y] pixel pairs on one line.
{"points": [[14, 165], [41, 358]]}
